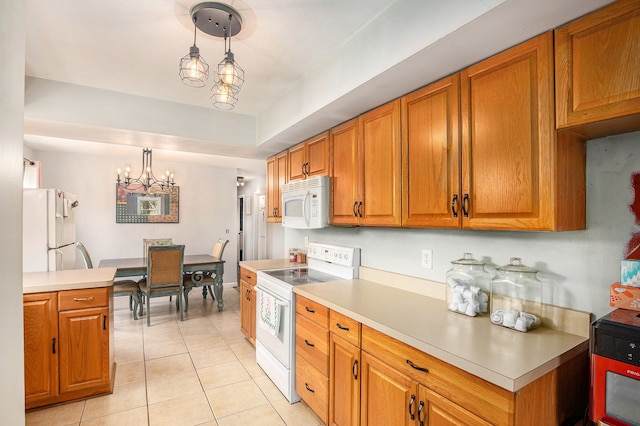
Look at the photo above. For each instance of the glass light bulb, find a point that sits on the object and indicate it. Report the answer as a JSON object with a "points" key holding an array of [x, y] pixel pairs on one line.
{"points": [[223, 93], [228, 75], [196, 70]]}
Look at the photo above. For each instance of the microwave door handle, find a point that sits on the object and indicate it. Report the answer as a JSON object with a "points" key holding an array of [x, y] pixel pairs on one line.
{"points": [[307, 219]]}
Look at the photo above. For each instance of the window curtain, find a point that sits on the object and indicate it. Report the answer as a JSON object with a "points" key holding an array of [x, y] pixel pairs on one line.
{"points": [[32, 175]]}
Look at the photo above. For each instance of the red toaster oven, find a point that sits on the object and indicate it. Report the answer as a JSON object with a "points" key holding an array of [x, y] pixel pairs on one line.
{"points": [[615, 369]]}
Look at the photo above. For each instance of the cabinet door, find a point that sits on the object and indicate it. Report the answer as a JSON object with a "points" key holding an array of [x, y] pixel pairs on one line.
{"points": [[508, 139], [297, 162], [343, 141], [318, 155], [248, 311], [344, 382], [436, 410], [597, 63], [272, 191], [84, 349], [276, 177], [41, 347], [381, 174], [388, 397], [430, 149]]}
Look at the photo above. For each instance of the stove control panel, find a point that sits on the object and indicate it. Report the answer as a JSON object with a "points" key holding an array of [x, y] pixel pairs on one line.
{"points": [[340, 255]]}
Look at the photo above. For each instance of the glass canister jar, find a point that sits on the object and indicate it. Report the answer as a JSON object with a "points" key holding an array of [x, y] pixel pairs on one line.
{"points": [[516, 297], [468, 286]]}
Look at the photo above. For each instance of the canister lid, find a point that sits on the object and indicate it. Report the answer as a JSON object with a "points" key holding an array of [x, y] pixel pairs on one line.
{"points": [[467, 259], [515, 265]]}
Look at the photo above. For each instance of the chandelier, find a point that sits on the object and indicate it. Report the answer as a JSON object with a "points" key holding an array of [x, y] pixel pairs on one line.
{"points": [[218, 20], [147, 180]]}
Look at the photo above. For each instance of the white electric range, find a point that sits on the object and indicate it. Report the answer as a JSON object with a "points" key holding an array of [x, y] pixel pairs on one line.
{"points": [[275, 302]]}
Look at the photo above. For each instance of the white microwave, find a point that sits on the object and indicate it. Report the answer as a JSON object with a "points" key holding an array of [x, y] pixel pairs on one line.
{"points": [[305, 203]]}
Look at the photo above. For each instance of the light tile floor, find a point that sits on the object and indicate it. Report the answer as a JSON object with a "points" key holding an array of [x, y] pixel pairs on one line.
{"points": [[200, 371]]}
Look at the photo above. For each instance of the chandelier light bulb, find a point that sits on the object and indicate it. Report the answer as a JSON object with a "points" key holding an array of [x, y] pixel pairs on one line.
{"points": [[228, 73]]}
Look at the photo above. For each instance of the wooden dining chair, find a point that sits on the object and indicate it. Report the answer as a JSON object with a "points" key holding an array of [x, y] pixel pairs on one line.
{"points": [[203, 279], [165, 266], [120, 287]]}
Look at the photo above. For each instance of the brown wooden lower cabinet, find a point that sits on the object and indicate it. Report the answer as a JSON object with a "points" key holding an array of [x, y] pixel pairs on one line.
{"points": [[68, 347], [248, 281], [382, 381], [344, 382]]}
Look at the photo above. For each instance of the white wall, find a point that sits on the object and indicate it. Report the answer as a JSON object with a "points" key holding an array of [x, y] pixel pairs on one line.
{"points": [[576, 267], [207, 204], [12, 41]]}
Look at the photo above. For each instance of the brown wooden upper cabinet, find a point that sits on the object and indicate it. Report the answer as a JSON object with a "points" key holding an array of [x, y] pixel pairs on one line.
{"points": [[517, 173], [276, 177], [366, 169], [598, 71], [430, 155], [309, 158]]}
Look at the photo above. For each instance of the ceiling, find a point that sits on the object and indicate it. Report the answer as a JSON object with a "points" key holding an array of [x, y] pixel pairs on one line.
{"points": [[103, 75]]}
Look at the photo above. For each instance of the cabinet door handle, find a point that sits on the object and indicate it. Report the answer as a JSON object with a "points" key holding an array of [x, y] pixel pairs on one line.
{"points": [[411, 401], [359, 209], [308, 309], [420, 417], [308, 388], [354, 209], [342, 327], [416, 367], [354, 369], [53, 345], [309, 343], [104, 322], [83, 299], [465, 205], [454, 203]]}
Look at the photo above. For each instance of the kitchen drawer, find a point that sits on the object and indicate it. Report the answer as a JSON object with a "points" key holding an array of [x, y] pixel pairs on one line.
{"points": [[81, 299], [248, 276], [312, 310], [484, 399], [313, 388], [312, 343], [345, 327]]}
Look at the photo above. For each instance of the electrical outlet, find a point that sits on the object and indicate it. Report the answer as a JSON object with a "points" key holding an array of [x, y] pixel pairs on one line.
{"points": [[306, 241], [427, 258]]}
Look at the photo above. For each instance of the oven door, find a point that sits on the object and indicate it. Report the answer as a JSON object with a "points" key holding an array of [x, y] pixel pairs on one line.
{"points": [[615, 392], [278, 343]]}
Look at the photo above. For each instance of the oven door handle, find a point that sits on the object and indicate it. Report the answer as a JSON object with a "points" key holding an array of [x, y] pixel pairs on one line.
{"points": [[279, 302]]}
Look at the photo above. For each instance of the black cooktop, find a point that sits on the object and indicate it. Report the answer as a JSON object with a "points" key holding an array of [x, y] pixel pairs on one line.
{"points": [[301, 276]]}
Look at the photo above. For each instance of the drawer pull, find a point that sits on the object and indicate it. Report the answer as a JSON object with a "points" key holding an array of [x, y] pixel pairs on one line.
{"points": [[420, 408], [342, 327], [308, 388], [416, 367], [354, 370], [104, 322], [465, 205], [83, 299], [53, 345], [309, 343], [308, 309], [411, 401]]}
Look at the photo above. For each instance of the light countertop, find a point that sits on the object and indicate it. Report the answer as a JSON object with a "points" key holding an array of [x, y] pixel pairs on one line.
{"points": [[263, 265], [71, 279], [507, 358]]}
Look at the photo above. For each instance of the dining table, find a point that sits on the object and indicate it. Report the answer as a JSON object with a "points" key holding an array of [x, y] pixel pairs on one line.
{"points": [[198, 264]]}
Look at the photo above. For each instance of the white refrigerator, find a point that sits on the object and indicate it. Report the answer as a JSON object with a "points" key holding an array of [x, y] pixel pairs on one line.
{"points": [[48, 230]]}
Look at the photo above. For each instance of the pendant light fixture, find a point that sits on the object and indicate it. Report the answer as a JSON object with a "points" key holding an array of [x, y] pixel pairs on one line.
{"points": [[221, 20], [194, 70], [146, 182]]}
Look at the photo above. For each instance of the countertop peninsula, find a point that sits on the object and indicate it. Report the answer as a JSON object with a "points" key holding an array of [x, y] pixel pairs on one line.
{"points": [[267, 264], [504, 357], [70, 279]]}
